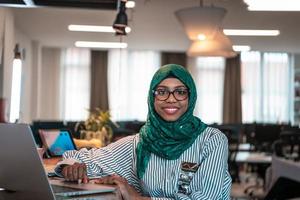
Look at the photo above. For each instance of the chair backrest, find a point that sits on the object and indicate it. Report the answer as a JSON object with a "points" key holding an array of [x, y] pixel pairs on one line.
{"points": [[265, 135], [288, 146], [232, 134]]}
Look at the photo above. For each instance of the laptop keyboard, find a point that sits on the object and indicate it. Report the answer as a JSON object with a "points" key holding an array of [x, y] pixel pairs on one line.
{"points": [[58, 189], [64, 192]]}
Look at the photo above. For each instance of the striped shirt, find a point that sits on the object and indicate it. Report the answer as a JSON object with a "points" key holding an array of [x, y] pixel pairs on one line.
{"points": [[161, 178]]}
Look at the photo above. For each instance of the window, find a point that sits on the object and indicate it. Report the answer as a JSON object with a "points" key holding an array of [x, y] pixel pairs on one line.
{"points": [[265, 87], [75, 79], [208, 73], [129, 77]]}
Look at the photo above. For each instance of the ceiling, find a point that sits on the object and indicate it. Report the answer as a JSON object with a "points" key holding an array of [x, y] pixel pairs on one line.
{"points": [[154, 26]]}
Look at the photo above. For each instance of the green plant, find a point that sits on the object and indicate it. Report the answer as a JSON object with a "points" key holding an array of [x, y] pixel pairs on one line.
{"points": [[98, 126], [97, 120]]}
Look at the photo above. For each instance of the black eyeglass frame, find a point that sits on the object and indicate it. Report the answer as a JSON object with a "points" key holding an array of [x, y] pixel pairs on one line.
{"points": [[172, 92]]}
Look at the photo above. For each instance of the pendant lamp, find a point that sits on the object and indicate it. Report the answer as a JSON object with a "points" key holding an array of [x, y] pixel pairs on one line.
{"points": [[121, 20], [220, 45], [201, 20]]}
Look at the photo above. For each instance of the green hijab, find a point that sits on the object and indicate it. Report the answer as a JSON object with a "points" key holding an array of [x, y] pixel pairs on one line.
{"points": [[165, 139]]}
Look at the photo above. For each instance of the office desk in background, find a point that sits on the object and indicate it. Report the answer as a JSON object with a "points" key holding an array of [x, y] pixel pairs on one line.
{"points": [[253, 157]]}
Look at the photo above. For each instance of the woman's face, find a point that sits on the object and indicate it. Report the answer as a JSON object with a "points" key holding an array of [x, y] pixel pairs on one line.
{"points": [[171, 107]]}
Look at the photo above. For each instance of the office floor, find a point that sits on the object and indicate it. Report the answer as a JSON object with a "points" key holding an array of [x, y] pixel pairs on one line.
{"points": [[251, 182]]}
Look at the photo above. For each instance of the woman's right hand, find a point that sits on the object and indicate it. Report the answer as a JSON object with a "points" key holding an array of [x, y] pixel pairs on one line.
{"points": [[75, 172]]}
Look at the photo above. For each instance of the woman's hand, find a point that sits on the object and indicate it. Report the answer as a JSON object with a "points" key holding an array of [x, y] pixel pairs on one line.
{"points": [[75, 172], [126, 190]]}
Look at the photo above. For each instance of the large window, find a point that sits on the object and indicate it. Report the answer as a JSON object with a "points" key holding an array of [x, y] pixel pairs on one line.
{"points": [[75, 79], [129, 76], [265, 87], [208, 73]]}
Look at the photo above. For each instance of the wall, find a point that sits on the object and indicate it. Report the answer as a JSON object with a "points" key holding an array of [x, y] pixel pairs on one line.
{"points": [[26, 96], [2, 23], [49, 84], [8, 56], [30, 108]]}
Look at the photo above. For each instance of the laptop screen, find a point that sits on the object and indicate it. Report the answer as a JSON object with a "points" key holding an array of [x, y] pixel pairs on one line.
{"points": [[57, 141], [22, 175]]}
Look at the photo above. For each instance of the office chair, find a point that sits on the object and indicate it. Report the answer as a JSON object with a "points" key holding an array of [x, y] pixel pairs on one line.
{"points": [[288, 146], [265, 135], [262, 137], [283, 188], [232, 133]]}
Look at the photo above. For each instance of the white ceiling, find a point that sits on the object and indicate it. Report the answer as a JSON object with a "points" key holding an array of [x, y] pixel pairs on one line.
{"points": [[154, 26]]}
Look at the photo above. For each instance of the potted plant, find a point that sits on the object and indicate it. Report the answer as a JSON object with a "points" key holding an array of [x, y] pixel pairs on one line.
{"points": [[98, 126]]}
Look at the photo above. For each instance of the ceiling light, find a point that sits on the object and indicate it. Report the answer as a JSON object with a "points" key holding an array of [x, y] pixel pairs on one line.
{"points": [[17, 52], [201, 20], [219, 46], [120, 30], [88, 28], [127, 29], [243, 32], [121, 19], [130, 4], [273, 5], [88, 44], [241, 48], [201, 37]]}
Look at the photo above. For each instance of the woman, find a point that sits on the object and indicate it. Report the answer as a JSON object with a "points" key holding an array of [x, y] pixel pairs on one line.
{"points": [[175, 155]]}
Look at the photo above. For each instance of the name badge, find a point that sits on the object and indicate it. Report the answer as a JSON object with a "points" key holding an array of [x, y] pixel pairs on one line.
{"points": [[187, 172]]}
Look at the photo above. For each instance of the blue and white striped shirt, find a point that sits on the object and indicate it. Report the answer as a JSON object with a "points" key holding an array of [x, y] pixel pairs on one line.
{"points": [[160, 181]]}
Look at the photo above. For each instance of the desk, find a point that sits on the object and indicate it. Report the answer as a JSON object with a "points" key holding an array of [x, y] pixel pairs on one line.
{"points": [[253, 157], [50, 164]]}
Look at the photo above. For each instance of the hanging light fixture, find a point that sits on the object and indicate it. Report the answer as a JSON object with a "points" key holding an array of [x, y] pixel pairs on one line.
{"points": [[202, 25], [121, 20], [202, 21], [220, 45]]}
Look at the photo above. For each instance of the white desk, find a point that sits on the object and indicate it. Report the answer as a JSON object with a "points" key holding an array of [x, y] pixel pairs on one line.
{"points": [[253, 157]]}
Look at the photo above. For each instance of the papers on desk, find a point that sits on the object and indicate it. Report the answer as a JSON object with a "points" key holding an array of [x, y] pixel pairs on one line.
{"points": [[253, 157]]}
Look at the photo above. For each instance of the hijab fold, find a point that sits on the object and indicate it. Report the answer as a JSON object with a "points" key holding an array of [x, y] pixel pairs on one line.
{"points": [[165, 139]]}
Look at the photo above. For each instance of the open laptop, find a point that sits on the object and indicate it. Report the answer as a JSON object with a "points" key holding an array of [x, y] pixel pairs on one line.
{"points": [[22, 175], [57, 141]]}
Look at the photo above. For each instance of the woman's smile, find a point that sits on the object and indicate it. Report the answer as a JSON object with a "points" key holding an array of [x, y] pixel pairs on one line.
{"points": [[170, 110]]}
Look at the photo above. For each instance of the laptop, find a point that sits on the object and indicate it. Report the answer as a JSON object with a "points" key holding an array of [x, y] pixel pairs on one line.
{"points": [[22, 175], [57, 141]]}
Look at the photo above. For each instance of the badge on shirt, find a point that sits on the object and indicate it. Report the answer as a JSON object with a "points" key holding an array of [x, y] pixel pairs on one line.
{"points": [[187, 171]]}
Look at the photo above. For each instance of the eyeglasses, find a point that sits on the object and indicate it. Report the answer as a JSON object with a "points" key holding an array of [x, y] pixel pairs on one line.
{"points": [[163, 94]]}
